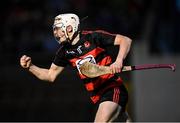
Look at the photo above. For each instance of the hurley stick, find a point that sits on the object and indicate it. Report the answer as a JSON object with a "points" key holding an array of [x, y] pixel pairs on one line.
{"points": [[93, 70]]}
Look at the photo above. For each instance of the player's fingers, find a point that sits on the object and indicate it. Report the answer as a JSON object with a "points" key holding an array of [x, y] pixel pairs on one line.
{"points": [[28, 63], [112, 69], [25, 61], [23, 57], [22, 61], [118, 69], [27, 58], [23, 64]]}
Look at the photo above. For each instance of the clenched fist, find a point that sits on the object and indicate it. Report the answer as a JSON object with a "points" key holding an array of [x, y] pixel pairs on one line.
{"points": [[25, 61]]}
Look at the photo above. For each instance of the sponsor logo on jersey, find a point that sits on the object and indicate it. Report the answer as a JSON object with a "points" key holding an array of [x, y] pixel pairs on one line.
{"points": [[88, 58]]}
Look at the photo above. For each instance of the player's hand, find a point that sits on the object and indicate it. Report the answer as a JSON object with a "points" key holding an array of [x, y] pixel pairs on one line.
{"points": [[25, 61], [117, 66]]}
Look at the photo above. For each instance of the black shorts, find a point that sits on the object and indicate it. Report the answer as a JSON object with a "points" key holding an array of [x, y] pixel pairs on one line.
{"points": [[118, 95]]}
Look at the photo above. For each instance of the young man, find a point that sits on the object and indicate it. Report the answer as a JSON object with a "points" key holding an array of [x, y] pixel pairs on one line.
{"points": [[77, 46]]}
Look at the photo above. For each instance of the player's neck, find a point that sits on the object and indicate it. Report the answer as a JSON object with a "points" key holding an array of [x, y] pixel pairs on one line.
{"points": [[76, 39]]}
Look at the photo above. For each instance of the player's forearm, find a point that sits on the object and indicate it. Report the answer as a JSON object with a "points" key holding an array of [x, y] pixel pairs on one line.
{"points": [[124, 48], [40, 73]]}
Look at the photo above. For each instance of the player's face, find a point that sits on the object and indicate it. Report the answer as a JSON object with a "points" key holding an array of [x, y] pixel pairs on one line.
{"points": [[59, 34]]}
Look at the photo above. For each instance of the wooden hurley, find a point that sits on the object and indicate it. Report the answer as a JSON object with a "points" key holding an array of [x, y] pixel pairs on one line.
{"points": [[93, 70]]}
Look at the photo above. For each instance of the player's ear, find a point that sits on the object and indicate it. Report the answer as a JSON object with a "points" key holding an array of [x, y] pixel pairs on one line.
{"points": [[69, 28]]}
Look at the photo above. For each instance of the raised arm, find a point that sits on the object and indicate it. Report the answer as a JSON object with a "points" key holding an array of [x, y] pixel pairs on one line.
{"points": [[41, 73], [124, 47]]}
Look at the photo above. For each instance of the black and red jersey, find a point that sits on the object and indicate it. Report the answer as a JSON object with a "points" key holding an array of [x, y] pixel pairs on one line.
{"points": [[91, 47]]}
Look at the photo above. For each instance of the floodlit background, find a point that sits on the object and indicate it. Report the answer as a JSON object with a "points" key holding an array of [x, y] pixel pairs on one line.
{"points": [[26, 28]]}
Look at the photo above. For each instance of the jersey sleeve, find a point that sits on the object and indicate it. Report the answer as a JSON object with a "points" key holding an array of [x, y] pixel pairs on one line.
{"points": [[104, 38], [60, 59]]}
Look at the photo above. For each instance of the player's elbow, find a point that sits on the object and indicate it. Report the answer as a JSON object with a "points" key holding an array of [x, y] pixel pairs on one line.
{"points": [[51, 80], [121, 40], [48, 80], [129, 40], [51, 76]]}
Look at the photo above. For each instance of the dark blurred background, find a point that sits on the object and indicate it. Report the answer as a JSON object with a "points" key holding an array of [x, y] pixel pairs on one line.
{"points": [[26, 28]]}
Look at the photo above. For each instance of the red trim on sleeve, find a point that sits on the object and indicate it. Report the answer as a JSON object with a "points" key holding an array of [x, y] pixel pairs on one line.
{"points": [[105, 32], [99, 31]]}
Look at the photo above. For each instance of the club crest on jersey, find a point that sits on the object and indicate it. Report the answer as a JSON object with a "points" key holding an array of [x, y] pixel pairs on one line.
{"points": [[87, 44], [79, 49], [88, 58]]}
